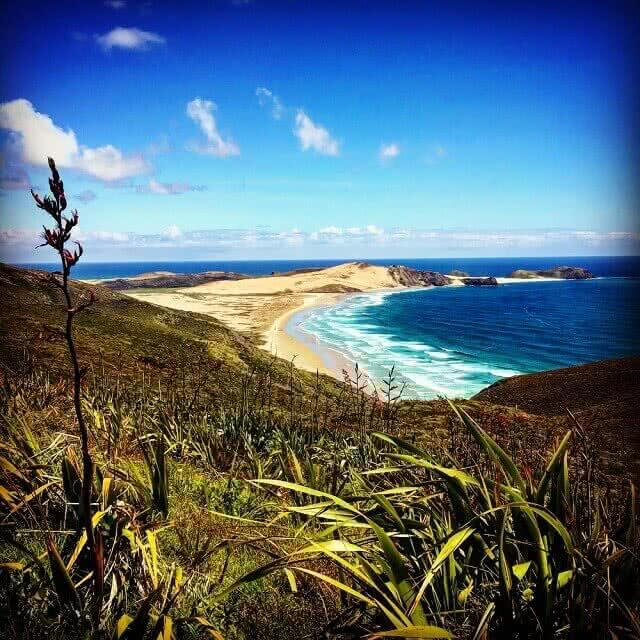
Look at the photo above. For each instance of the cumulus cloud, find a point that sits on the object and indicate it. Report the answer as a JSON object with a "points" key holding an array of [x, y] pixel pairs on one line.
{"points": [[129, 38], [172, 232], [201, 112], [335, 231], [37, 137], [332, 240], [104, 237], [267, 98], [313, 136], [389, 151], [168, 188]]}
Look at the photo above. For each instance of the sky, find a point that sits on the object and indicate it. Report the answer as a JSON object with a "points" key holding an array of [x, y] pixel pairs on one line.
{"points": [[248, 129]]}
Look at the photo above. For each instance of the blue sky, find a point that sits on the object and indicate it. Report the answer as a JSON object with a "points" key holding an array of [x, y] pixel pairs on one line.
{"points": [[240, 129]]}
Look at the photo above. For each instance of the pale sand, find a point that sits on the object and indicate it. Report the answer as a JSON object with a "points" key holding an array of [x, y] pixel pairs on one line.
{"points": [[264, 315], [352, 275], [264, 306], [458, 281], [523, 280], [281, 343]]}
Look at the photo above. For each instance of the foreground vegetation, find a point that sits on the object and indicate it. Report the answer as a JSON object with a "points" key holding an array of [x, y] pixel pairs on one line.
{"points": [[179, 483], [252, 524]]}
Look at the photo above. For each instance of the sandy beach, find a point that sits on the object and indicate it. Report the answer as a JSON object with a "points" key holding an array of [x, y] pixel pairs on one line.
{"points": [[265, 307]]}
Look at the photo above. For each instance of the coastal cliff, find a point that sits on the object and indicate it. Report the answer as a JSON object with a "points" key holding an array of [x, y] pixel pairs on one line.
{"points": [[562, 273], [480, 282], [408, 277]]}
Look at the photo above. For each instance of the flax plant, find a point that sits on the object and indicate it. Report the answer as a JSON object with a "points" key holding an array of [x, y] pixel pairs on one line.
{"points": [[58, 238]]}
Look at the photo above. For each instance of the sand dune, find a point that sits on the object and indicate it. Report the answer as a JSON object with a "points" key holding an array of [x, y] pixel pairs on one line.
{"points": [[352, 276], [264, 305]]}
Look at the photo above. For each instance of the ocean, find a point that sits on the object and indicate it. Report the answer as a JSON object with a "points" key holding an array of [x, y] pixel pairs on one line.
{"points": [[454, 341], [602, 266]]}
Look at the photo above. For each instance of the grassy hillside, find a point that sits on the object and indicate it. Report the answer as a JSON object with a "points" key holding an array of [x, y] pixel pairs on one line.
{"points": [[576, 388], [238, 498], [123, 338], [604, 396]]}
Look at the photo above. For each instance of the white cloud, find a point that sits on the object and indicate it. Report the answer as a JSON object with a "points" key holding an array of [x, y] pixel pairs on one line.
{"points": [[115, 4], [39, 137], [389, 151], [172, 232], [268, 98], [110, 164], [129, 38], [201, 112], [313, 136], [168, 188], [367, 240], [105, 237]]}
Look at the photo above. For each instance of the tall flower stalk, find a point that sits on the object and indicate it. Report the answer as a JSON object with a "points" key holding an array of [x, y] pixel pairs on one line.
{"points": [[58, 238]]}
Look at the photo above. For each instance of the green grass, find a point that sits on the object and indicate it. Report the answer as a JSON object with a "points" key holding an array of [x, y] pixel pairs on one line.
{"points": [[237, 497]]}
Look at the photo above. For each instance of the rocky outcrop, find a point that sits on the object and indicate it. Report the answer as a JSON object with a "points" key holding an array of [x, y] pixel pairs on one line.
{"points": [[459, 274], [562, 273], [480, 282], [408, 277], [169, 280]]}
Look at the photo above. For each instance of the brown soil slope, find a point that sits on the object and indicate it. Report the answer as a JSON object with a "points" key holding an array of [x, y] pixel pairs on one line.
{"points": [[551, 393], [603, 396]]}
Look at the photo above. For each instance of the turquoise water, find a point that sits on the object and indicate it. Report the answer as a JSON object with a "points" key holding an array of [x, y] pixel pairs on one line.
{"points": [[454, 341]]}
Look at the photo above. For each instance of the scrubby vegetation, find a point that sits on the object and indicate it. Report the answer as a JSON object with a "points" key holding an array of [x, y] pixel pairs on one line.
{"points": [[229, 495]]}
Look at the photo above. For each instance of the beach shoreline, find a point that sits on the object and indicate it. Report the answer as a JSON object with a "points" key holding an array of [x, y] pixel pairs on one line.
{"points": [[288, 340], [271, 309], [283, 341]]}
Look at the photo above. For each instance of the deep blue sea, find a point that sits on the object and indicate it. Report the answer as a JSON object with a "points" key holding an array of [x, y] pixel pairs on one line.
{"points": [[455, 341], [601, 266]]}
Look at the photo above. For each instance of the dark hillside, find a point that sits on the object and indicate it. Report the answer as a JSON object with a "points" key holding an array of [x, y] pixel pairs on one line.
{"points": [[127, 337], [588, 386], [604, 397]]}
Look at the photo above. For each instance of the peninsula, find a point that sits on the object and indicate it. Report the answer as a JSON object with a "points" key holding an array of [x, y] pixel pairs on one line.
{"points": [[262, 306]]}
